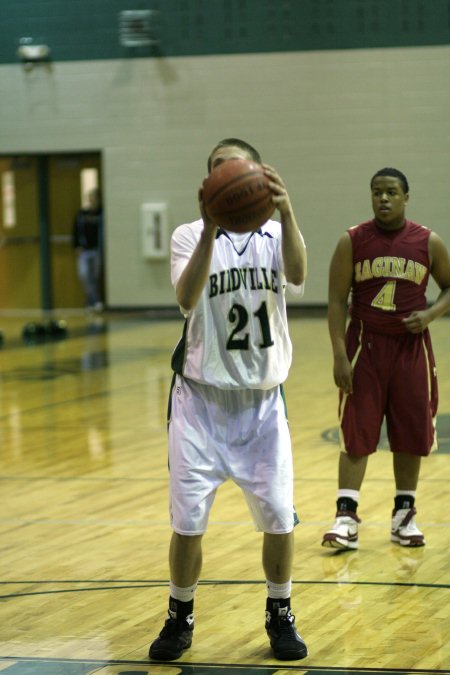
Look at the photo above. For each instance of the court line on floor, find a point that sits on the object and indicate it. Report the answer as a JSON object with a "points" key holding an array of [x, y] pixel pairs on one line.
{"points": [[204, 582], [233, 668]]}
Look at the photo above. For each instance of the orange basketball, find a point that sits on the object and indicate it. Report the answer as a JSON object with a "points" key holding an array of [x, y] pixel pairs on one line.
{"points": [[237, 197]]}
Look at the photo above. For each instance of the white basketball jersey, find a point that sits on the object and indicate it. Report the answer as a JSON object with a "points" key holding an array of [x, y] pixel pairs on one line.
{"points": [[237, 335]]}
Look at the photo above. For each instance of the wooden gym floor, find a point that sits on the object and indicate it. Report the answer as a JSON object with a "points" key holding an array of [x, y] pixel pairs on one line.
{"points": [[84, 527]]}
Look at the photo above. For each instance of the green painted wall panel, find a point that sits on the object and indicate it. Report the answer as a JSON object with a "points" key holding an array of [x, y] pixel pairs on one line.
{"points": [[88, 29]]}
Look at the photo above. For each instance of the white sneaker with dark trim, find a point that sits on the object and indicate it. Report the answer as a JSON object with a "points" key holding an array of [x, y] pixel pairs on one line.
{"points": [[404, 530], [344, 533]]}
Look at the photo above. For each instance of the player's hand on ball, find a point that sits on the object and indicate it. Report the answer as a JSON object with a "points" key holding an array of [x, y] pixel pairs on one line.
{"points": [[206, 220], [280, 194]]}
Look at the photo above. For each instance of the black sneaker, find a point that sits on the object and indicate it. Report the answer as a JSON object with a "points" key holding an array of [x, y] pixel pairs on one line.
{"points": [[175, 637], [286, 643]]}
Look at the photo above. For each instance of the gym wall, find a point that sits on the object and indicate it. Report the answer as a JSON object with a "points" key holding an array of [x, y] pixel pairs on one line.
{"points": [[328, 90]]}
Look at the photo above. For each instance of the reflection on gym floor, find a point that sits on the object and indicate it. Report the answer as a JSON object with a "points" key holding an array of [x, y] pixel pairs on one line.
{"points": [[84, 526]]}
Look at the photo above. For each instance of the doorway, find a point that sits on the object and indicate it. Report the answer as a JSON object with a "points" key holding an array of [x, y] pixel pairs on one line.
{"points": [[39, 198]]}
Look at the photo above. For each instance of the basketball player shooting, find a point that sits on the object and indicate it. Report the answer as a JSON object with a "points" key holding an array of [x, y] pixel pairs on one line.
{"points": [[227, 417]]}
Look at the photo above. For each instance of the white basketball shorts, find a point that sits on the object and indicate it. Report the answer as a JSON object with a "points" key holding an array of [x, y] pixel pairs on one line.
{"points": [[241, 434]]}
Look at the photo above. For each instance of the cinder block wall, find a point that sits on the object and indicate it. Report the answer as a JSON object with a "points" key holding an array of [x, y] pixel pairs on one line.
{"points": [[327, 119]]}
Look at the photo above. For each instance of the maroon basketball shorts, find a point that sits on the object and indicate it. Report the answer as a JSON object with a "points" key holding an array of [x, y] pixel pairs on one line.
{"points": [[394, 377]]}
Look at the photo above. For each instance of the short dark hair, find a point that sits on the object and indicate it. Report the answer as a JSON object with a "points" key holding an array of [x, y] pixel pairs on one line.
{"points": [[395, 173], [254, 154]]}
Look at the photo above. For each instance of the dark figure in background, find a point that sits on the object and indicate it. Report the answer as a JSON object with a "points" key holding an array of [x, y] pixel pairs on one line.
{"points": [[87, 241]]}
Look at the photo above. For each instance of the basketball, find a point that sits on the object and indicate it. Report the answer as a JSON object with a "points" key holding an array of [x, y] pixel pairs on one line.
{"points": [[237, 197]]}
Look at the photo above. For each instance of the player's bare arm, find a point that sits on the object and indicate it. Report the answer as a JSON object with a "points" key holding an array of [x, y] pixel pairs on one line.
{"points": [[416, 322], [195, 275], [340, 281], [292, 245]]}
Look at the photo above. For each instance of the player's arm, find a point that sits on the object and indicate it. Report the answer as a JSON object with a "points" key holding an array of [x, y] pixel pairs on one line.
{"points": [[440, 271], [292, 245], [340, 282], [194, 277]]}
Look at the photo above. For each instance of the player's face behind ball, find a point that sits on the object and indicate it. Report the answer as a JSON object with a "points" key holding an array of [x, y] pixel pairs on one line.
{"points": [[236, 194], [226, 152]]}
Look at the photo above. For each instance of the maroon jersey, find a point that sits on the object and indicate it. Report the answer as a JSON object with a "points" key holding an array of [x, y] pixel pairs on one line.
{"points": [[390, 274]]}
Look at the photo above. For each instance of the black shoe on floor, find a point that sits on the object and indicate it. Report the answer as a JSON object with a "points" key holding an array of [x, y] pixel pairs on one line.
{"points": [[286, 643], [175, 637]]}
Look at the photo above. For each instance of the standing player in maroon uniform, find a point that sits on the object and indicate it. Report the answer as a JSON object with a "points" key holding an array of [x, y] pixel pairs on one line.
{"points": [[383, 363]]}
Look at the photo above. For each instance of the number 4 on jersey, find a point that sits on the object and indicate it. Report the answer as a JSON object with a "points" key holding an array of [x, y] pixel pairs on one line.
{"points": [[385, 298]]}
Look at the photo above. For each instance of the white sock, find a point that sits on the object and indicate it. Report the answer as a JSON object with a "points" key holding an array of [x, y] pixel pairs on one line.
{"points": [[411, 493], [351, 494], [182, 594], [279, 591]]}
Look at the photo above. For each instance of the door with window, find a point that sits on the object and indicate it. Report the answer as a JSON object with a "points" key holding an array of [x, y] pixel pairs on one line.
{"points": [[71, 178], [20, 269], [39, 199]]}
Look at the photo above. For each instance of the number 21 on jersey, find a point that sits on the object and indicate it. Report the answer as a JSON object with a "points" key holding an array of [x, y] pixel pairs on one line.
{"points": [[238, 316]]}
